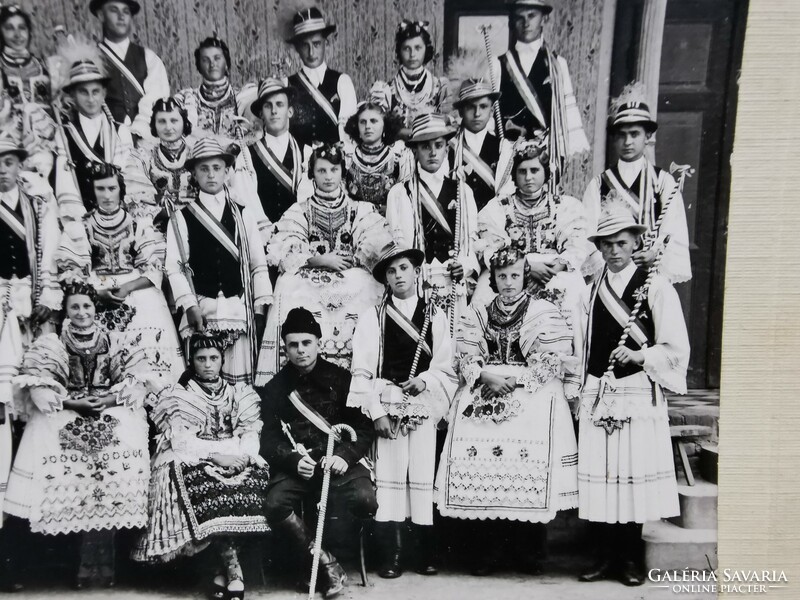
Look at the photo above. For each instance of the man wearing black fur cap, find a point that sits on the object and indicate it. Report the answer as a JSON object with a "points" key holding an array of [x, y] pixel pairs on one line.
{"points": [[299, 406]]}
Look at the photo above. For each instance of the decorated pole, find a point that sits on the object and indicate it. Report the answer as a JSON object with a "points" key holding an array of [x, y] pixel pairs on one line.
{"points": [[683, 171], [323, 502], [498, 118], [651, 273], [459, 173]]}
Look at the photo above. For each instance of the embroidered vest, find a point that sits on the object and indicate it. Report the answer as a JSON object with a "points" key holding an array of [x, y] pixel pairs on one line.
{"points": [[274, 196], [398, 353], [14, 252], [215, 270], [606, 331], [512, 106], [310, 123], [438, 242], [122, 99]]}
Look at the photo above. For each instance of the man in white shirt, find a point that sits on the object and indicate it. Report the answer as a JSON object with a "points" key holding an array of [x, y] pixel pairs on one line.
{"points": [[325, 98], [274, 165], [404, 381], [216, 263], [536, 89], [649, 191], [626, 471], [436, 214], [137, 77], [485, 155], [91, 135], [29, 294]]}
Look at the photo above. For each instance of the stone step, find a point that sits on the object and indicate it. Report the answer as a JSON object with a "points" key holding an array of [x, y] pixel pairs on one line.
{"points": [[669, 547], [698, 506], [709, 459]]}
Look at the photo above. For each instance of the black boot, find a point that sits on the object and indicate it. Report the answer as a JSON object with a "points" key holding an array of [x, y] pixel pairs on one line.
{"points": [[392, 546], [630, 554], [11, 554], [426, 550], [333, 575], [604, 538]]}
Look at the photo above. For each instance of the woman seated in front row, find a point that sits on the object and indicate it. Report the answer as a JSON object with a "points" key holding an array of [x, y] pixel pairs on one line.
{"points": [[209, 480]]}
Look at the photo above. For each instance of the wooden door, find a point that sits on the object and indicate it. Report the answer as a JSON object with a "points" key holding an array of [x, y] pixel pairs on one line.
{"points": [[700, 59]]}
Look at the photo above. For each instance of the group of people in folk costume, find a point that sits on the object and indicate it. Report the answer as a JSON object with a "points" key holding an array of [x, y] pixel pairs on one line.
{"points": [[413, 274]]}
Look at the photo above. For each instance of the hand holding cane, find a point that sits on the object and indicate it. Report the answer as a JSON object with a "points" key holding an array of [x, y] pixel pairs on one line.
{"points": [[640, 298], [400, 422], [333, 435]]}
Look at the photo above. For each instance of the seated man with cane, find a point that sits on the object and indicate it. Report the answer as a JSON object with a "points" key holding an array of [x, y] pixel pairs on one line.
{"points": [[298, 406]]}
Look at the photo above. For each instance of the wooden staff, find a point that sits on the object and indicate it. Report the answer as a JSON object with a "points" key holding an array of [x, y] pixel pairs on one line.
{"points": [[683, 171], [323, 502], [498, 118], [651, 273]]}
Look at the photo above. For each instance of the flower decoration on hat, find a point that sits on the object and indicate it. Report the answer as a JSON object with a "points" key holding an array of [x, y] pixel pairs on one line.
{"points": [[533, 148], [416, 26]]}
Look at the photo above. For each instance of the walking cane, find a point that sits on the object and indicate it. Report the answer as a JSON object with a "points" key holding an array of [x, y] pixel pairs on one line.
{"points": [[323, 501]]}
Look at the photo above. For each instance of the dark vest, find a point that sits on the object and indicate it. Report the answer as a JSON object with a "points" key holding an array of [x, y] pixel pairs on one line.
{"points": [[512, 106], [122, 98], [439, 243], [605, 188], [606, 332], [399, 349], [213, 266], [490, 154], [274, 196], [85, 184], [310, 123], [14, 251]]}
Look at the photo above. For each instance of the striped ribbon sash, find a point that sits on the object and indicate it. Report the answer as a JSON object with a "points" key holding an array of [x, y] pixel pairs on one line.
{"points": [[408, 327], [431, 204], [622, 312], [627, 194], [217, 229], [105, 136], [317, 96], [288, 179], [478, 165], [524, 87], [313, 417], [120, 66], [13, 220]]}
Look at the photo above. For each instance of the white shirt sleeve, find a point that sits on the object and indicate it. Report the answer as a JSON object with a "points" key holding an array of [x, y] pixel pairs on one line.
{"points": [[156, 85], [348, 102]]}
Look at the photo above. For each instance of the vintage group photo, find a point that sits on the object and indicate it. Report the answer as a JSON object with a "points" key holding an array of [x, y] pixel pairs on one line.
{"points": [[352, 298]]}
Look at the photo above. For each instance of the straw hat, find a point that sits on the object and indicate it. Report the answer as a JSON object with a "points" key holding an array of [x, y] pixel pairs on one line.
{"points": [[266, 88], [207, 148], [615, 216], [630, 108], [308, 21], [85, 71], [472, 89], [429, 127], [8, 145], [391, 253]]}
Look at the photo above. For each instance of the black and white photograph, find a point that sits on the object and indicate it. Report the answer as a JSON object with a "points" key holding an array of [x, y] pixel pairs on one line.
{"points": [[365, 298]]}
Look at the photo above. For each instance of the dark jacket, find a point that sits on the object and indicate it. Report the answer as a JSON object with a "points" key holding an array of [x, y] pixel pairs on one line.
{"points": [[325, 389]]}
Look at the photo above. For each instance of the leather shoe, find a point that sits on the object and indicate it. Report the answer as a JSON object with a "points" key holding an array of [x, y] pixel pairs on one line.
{"points": [[629, 574], [602, 569]]}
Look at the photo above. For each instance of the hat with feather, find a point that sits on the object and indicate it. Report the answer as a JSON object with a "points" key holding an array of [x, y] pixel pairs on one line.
{"points": [[302, 18], [630, 108], [78, 60], [468, 72]]}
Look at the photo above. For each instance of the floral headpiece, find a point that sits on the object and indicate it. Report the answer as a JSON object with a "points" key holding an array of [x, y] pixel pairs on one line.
{"points": [[414, 26], [506, 256], [75, 286], [527, 149], [200, 341], [330, 152]]}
